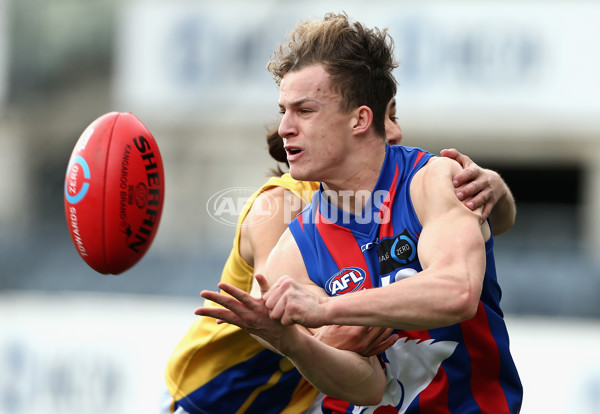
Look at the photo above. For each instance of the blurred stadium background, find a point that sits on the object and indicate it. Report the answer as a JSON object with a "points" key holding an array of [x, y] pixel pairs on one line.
{"points": [[515, 85]]}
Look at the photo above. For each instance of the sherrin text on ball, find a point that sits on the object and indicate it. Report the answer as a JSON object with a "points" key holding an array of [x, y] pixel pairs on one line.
{"points": [[114, 192]]}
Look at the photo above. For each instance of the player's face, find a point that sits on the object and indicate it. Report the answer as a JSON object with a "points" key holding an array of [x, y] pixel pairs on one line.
{"points": [[393, 132], [316, 133]]}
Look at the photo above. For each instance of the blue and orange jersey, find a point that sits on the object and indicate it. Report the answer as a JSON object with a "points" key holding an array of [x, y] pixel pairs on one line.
{"points": [[463, 368]]}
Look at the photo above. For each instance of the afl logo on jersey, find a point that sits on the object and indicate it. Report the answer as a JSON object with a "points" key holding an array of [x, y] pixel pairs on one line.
{"points": [[346, 280]]}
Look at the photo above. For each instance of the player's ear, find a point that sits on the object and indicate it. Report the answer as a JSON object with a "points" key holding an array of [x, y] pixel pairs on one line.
{"points": [[362, 119]]}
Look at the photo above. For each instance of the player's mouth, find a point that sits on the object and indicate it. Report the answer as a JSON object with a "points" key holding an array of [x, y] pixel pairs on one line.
{"points": [[293, 153]]}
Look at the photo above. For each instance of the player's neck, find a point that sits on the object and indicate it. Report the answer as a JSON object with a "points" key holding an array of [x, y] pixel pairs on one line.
{"points": [[352, 190]]}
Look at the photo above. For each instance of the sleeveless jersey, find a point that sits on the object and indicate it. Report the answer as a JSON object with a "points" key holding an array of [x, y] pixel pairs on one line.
{"points": [[463, 368], [220, 368]]}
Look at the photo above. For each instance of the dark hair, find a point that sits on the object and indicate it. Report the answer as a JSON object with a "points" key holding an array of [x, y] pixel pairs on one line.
{"points": [[359, 61], [275, 143]]}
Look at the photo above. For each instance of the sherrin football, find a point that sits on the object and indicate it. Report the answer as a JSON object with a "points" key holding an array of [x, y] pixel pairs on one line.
{"points": [[114, 192]]}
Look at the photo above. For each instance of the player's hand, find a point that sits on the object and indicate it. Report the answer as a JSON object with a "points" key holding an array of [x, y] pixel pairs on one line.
{"points": [[289, 302], [360, 339], [241, 309], [476, 186]]}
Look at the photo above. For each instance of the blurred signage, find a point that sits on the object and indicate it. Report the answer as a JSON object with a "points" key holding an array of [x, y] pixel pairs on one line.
{"points": [[4, 62], [466, 57]]}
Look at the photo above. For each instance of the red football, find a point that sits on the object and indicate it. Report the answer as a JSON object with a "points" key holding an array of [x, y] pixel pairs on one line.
{"points": [[114, 192]]}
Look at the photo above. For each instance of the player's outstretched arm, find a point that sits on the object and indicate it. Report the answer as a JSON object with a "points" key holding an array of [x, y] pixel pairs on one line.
{"points": [[364, 340], [352, 377], [340, 374], [477, 187], [259, 237]]}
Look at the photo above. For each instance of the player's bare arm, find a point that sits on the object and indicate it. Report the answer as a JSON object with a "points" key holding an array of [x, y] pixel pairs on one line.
{"points": [[349, 373], [447, 290], [350, 376], [248, 312], [364, 340], [259, 235], [477, 187]]}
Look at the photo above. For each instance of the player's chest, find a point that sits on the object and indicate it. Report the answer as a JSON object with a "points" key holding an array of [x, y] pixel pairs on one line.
{"points": [[379, 263]]}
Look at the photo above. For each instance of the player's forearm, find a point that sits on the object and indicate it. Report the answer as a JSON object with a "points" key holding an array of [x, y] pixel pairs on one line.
{"points": [[347, 376], [339, 374], [446, 292], [414, 304], [504, 213]]}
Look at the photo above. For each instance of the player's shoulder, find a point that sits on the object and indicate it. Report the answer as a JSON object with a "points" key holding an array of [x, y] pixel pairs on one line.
{"points": [[274, 201], [435, 177], [301, 189], [405, 149], [443, 166], [263, 204], [410, 157], [276, 188]]}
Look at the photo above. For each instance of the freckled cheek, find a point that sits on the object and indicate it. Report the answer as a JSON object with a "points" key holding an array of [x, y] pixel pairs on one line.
{"points": [[332, 153]]}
